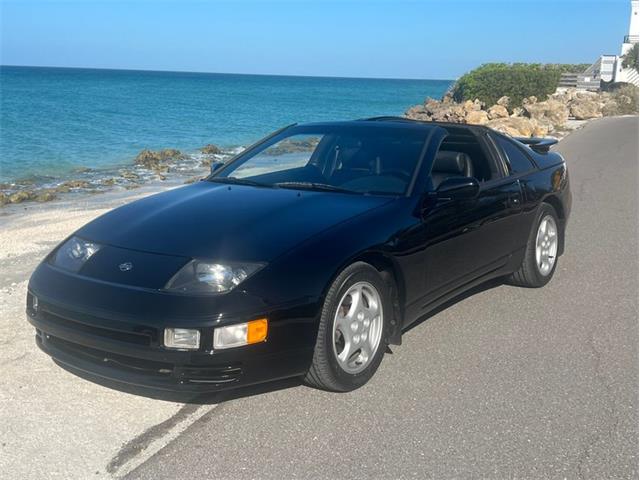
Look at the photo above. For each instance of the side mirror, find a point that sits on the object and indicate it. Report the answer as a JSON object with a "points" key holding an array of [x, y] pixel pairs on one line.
{"points": [[458, 188], [215, 166]]}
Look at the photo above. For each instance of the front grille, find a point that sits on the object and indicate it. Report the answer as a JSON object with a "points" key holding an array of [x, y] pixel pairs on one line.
{"points": [[210, 374], [123, 363], [113, 360], [118, 335]]}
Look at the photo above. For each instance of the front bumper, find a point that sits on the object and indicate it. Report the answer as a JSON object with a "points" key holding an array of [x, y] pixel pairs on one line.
{"points": [[128, 348]]}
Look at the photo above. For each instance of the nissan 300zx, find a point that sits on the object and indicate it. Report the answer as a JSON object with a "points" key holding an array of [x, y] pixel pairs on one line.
{"points": [[303, 256]]}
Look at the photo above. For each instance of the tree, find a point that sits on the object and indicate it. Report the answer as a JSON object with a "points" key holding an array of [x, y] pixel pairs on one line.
{"points": [[630, 59]]}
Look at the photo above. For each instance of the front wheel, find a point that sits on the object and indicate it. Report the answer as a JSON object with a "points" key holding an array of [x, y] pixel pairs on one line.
{"points": [[351, 335], [541, 254]]}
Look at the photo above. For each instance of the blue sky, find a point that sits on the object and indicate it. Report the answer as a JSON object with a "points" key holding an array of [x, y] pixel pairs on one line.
{"points": [[355, 38]]}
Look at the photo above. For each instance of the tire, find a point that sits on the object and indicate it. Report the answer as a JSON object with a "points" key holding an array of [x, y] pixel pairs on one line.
{"points": [[531, 274], [333, 368]]}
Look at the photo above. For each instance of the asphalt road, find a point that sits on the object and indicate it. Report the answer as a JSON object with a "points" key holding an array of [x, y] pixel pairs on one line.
{"points": [[505, 383]]}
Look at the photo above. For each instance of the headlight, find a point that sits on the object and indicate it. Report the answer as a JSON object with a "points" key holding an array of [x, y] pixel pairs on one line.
{"points": [[74, 253], [206, 277]]}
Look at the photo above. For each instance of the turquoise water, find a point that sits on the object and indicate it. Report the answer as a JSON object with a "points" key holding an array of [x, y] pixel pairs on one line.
{"points": [[54, 121]]}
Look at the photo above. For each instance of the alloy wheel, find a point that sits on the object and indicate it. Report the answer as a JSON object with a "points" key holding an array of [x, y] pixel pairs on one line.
{"points": [[546, 245], [357, 327]]}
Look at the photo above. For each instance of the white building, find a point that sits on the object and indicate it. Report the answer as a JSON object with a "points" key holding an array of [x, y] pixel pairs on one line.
{"points": [[622, 74], [609, 68]]}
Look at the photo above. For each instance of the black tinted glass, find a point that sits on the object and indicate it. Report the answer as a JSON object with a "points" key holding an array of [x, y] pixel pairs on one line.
{"points": [[518, 161], [360, 159]]}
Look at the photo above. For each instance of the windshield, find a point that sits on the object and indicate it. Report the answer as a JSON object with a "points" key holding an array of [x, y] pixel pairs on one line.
{"points": [[349, 159]]}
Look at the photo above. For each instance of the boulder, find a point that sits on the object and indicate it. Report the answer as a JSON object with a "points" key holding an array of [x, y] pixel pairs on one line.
{"points": [[543, 127], [131, 176], [477, 117], [416, 112], [21, 196], [514, 126], [4, 199], [503, 101], [610, 108], [210, 149], [497, 111], [585, 109], [436, 111], [69, 184], [540, 130], [470, 106], [45, 195], [157, 160], [553, 110], [448, 98]]}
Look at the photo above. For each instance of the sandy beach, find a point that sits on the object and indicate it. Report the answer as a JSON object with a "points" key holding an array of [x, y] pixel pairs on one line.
{"points": [[38, 398]]}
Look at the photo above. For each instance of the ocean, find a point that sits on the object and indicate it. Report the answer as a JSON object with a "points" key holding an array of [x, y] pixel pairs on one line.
{"points": [[58, 123]]}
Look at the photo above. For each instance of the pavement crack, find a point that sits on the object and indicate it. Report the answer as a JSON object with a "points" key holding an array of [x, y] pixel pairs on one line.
{"points": [[137, 445], [14, 359], [610, 425]]}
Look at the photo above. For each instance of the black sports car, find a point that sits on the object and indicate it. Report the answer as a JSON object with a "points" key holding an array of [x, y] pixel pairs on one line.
{"points": [[305, 255]]}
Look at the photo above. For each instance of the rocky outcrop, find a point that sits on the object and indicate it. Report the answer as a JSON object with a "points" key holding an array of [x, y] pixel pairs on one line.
{"points": [[476, 117], [534, 117], [498, 111], [504, 101], [585, 110], [22, 196], [210, 149], [158, 160], [290, 145], [552, 110], [514, 126], [46, 195]]}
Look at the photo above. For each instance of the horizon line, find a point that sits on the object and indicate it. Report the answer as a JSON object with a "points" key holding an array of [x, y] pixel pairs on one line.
{"points": [[227, 73]]}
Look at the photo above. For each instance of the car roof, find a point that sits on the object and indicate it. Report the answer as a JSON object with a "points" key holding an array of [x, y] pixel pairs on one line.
{"points": [[391, 121]]}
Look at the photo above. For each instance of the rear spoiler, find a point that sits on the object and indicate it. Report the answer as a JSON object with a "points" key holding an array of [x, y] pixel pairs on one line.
{"points": [[540, 145]]}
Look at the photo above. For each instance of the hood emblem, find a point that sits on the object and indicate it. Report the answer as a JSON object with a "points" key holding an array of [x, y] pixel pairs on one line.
{"points": [[126, 266]]}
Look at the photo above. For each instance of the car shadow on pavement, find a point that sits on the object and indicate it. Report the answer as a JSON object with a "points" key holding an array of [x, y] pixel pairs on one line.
{"points": [[483, 287]]}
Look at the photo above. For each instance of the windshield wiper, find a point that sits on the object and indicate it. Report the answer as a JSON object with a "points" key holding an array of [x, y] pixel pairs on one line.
{"points": [[240, 181], [325, 187]]}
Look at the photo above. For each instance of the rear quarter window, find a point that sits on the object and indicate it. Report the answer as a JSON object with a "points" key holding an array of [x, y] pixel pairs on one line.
{"points": [[517, 160]]}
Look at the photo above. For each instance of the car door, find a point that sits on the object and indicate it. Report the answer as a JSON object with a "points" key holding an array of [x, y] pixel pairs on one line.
{"points": [[471, 238]]}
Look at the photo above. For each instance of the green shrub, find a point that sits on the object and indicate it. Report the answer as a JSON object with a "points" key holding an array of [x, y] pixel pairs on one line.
{"points": [[626, 98], [491, 81], [630, 59]]}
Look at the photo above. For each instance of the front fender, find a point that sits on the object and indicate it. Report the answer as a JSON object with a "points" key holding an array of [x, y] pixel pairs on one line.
{"points": [[309, 269]]}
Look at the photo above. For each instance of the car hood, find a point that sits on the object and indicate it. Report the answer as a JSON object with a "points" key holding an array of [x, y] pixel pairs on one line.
{"points": [[226, 222]]}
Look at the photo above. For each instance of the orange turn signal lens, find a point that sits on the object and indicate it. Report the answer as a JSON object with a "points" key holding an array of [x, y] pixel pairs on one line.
{"points": [[257, 330], [238, 334]]}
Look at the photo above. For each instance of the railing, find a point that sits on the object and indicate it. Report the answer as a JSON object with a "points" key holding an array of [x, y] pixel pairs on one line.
{"points": [[631, 38]]}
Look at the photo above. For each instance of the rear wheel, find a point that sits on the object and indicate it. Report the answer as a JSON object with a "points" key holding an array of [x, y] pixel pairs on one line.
{"points": [[351, 340], [541, 254]]}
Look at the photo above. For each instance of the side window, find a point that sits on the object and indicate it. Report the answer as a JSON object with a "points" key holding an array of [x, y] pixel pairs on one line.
{"points": [[518, 160], [462, 153]]}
